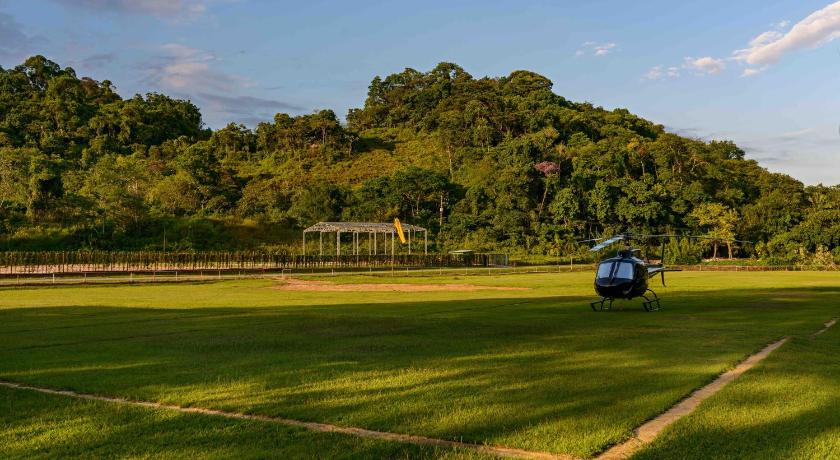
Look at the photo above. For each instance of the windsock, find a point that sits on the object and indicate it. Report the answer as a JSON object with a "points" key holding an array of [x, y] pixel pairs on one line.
{"points": [[400, 233]]}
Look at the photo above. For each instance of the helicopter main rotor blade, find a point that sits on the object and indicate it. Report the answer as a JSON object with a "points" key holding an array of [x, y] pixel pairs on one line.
{"points": [[592, 240], [693, 237], [606, 243]]}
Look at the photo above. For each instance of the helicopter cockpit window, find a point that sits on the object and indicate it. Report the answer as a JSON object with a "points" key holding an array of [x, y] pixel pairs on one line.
{"points": [[625, 271], [605, 269]]}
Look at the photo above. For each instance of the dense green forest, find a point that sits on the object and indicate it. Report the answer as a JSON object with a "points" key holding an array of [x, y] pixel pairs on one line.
{"points": [[485, 163]]}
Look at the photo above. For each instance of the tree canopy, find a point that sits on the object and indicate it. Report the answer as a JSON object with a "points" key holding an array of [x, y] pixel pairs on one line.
{"points": [[488, 163]]}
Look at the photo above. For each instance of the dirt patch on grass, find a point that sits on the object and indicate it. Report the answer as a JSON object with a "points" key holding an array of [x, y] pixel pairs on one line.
{"points": [[294, 284]]}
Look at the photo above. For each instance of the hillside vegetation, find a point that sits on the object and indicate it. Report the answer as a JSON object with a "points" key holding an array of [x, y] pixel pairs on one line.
{"points": [[486, 163]]}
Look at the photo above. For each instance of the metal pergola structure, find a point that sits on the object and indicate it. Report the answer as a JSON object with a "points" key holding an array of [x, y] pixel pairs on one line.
{"points": [[372, 229]]}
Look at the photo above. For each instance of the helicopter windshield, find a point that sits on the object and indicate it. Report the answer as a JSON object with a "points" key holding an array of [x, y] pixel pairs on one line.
{"points": [[625, 271], [605, 269]]}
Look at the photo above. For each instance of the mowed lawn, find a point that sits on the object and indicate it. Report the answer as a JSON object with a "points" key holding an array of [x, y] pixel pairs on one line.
{"points": [[533, 369]]}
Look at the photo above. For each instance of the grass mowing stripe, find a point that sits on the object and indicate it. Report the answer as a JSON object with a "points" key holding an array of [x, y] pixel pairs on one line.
{"points": [[312, 426]]}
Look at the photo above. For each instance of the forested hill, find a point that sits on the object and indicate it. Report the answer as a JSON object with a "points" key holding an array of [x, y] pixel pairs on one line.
{"points": [[511, 164]]}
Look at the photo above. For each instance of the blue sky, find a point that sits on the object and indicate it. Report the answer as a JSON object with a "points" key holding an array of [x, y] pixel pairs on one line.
{"points": [[762, 73]]}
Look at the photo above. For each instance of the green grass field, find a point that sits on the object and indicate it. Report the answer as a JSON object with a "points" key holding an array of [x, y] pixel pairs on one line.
{"points": [[532, 369]]}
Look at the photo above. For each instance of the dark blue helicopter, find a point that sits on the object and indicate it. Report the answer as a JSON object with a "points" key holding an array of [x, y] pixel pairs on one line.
{"points": [[626, 276]]}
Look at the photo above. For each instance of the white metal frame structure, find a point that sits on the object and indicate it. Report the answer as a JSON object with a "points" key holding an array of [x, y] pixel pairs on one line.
{"points": [[372, 229]]}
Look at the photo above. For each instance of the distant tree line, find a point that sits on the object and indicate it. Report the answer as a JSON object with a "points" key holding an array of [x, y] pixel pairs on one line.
{"points": [[486, 163]]}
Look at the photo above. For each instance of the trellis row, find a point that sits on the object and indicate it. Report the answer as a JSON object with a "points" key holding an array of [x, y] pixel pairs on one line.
{"points": [[125, 261]]}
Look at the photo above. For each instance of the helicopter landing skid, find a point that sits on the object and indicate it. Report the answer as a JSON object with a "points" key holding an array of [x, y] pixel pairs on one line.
{"points": [[604, 304], [651, 304]]}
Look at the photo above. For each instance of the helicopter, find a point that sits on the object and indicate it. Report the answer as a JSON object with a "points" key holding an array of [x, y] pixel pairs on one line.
{"points": [[626, 276]]}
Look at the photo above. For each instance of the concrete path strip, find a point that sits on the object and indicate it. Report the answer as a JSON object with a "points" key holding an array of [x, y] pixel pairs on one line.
{"points": [[649, 430], [312, 426], [826, 327]]}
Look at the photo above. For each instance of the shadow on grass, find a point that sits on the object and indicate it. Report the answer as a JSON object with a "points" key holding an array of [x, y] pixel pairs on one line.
{"points": [[541, 373], [58, 427]]}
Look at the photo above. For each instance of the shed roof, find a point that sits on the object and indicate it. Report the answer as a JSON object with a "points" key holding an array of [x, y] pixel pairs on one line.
{"points": [[361, 227]]}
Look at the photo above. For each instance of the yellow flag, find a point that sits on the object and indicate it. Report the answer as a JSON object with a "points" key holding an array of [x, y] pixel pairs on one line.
{"points": [[400, 233]]}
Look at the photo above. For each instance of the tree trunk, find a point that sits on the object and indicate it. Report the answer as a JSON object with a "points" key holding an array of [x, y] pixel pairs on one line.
{"points": [[729, 249], [542, 203], [714, 253], [441, 211]]}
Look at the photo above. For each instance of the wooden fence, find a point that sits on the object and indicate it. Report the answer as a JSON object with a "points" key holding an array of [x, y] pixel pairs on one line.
{"points": [[70, 262], [77, 262]]}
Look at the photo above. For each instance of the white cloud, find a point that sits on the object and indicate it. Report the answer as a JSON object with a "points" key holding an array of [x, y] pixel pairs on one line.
{"points": [[705, 65], [185, 52], [767, 48], [765, 38], [751, 72], [660, 73], [181, 68], [797, 133], [245, 105], [808, 154], [596, 49], [603, 50], [95, 61], [820, 27], [191, 73]]}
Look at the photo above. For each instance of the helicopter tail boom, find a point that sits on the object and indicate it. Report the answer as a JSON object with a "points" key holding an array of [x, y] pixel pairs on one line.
{"points": [[659, 268]]}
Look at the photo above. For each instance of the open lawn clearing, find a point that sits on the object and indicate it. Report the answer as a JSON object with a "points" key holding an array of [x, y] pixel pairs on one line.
{"points": [[529, 369]]}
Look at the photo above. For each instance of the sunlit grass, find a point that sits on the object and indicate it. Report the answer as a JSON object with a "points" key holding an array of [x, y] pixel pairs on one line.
{"points": [[533, 369]]}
